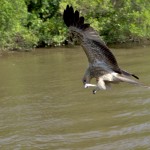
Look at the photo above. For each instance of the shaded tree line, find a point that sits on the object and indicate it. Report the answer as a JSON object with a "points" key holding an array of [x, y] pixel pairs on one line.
{"points": [[25, 24]]}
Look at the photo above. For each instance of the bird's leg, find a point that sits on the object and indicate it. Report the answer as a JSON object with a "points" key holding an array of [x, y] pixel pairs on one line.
{"points": [[95, 90], [100, 85]]}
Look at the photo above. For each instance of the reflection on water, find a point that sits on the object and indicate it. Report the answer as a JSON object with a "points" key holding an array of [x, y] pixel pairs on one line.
{"points": [[43, 104]]}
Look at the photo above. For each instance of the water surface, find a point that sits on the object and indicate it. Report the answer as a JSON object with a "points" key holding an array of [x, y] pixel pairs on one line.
{"points": [[43, 104]]}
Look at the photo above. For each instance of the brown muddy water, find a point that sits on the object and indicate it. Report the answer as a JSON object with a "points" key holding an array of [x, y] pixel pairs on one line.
{"points": [[43, 105]]}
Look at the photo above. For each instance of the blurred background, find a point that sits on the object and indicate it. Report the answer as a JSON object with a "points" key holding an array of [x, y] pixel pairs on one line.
{"points": [[25, 24]]}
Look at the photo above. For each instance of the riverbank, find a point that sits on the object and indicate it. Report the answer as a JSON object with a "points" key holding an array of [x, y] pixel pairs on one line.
{"points": [[40, 24], [126, 46]]}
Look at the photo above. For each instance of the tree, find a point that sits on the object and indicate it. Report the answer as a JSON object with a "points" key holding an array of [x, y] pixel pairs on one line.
{"points": [[45, 21], [13, 34], [28, 23], [116, 20]]}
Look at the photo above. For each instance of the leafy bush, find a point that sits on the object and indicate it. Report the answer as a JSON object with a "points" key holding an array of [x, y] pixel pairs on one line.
{"points": [[46, 22], [38, 23], [116, 21], [13, 34]]}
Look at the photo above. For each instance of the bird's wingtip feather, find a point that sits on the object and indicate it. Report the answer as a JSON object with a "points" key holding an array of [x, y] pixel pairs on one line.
{"points": [[73, 18]]}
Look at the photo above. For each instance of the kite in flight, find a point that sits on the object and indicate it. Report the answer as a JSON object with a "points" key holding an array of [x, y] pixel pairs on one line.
{"points": [[102, 63]]}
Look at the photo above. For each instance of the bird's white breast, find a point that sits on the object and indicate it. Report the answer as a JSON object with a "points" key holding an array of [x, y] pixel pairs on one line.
{"points": [[112, 76]]}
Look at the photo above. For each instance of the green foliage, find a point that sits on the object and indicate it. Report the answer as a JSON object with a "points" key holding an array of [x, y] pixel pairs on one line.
{"points": [[13, 34], [44, 9], [116, 20], [46, 22], [37, 23]]}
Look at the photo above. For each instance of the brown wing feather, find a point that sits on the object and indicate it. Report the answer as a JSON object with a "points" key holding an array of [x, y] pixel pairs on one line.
{"points": [[93, 46], [97, 51]]}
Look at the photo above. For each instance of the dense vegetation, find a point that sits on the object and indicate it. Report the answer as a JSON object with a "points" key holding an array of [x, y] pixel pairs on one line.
{"points": [[25, 24]]}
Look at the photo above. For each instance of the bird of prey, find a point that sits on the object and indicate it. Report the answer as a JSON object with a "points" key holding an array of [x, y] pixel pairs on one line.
{"points": [[103, 65]]}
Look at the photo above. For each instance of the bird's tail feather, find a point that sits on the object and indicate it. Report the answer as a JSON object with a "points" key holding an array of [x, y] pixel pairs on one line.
{"points": [[129, 74], [131, 81]]}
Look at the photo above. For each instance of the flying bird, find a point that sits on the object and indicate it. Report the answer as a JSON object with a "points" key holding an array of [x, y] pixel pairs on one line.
{"points": [[103, 65]]}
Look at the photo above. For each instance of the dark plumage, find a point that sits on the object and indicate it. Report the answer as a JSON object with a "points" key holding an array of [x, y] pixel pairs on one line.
{"points": [[72, 18], [102, 63]]}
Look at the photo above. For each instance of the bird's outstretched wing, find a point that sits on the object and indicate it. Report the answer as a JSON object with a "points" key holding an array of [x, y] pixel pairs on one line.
{"points": [[98, 53], [96, 50]]}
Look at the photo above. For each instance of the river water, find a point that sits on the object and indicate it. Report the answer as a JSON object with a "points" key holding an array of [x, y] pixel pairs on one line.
{"points": [[43, 105]]}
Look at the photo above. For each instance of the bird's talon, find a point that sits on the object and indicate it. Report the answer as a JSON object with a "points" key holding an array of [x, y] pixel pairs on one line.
{"points": [[94, 91]]}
